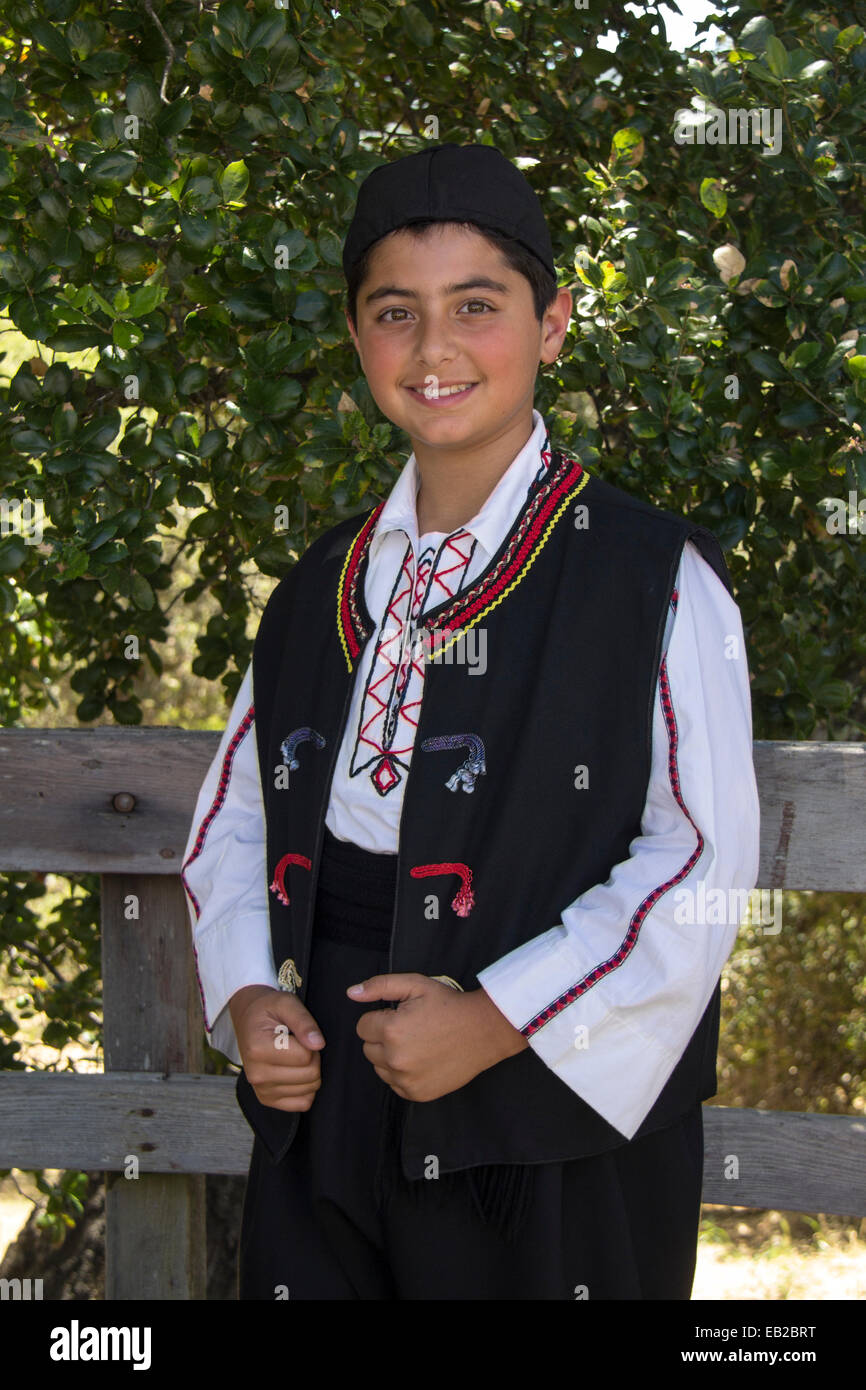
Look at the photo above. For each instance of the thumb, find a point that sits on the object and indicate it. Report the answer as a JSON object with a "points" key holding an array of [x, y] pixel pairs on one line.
{"points": [[395, 986], [289, 1009]]}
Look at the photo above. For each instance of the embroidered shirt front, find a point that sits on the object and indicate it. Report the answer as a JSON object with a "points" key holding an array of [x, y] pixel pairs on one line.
{"points": [[380, 734]]}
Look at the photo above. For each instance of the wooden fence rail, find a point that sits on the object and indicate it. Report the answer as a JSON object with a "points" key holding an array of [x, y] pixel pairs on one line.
{"points": [[153, 1112]]}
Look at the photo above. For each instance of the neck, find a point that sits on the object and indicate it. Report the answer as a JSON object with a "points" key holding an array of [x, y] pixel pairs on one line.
{"points": [[454, 487]]}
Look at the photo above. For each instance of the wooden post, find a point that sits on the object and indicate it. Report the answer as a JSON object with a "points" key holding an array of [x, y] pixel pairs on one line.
{"points": [[154, 1222]]}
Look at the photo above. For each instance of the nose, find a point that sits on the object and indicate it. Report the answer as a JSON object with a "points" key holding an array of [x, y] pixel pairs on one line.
{"points": [[433, 341]]}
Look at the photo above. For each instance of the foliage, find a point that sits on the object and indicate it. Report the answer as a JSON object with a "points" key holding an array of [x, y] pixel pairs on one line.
{"points": [[173, 196], [794, 1010]]}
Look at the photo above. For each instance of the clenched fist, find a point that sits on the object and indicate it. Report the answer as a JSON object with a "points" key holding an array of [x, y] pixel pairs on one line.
{"points": [[279, 1043]]}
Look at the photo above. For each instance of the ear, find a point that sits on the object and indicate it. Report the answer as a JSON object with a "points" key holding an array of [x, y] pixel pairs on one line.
{"points": [[554, 327], [352, 333]]}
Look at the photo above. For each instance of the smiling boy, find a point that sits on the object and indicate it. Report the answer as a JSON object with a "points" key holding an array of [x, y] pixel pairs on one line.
{"points": [[518, 1115]]}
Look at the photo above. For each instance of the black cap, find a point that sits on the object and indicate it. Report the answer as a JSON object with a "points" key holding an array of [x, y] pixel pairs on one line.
{"points": [[460, 183]]}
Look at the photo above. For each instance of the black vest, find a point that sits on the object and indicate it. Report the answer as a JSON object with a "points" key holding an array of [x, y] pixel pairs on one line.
{"points": [[574, 605]]}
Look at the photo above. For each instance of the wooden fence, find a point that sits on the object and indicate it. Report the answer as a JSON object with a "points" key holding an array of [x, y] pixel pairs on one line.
{"points": [[59, 793]]}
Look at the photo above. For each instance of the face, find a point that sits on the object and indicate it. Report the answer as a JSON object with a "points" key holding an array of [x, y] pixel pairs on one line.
{"points": [[445, 309]]}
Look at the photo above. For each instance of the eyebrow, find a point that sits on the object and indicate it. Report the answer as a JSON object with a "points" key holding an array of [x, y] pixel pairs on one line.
{"points": [[479, 282]]}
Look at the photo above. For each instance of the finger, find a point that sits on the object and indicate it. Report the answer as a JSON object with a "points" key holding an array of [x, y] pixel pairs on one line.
{"points": [[375, 1053], [278, 1046], [268, 1092], [396, 986], [371, 1025], [266, 1073], [287, 1009], [291, 1103]]}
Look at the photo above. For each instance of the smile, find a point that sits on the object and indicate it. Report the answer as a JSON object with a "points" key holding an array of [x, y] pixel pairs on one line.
{"points": [[446, 395]]}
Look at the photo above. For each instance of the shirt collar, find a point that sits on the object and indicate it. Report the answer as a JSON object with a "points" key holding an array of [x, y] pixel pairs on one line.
{"points": [[490, 525]]}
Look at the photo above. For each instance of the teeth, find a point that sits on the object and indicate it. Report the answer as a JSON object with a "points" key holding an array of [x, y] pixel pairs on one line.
{"points": [[449, 390]]}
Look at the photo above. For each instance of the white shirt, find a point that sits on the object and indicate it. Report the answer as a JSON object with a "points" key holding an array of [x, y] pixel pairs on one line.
{"points": [[618, 1042]]}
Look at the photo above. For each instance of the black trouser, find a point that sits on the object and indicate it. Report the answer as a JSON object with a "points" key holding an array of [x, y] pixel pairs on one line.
{"points": [[336, 1218]]}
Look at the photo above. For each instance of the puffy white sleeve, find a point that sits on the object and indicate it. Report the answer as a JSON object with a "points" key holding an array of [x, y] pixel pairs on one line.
{"points": [[224, 875], [610, 998]]}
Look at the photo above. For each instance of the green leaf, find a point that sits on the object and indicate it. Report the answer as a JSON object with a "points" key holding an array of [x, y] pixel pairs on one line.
{"points": [[67, 249], [768, 367], [777, 56], [141, 593], [273, 397], [250, 305], [234, 181], [644, 425], [175, 118], [633, 355], [30, 442], [534, 128], [634, 264], [755, 34], [310, 305], [804, 354], [849, 38], [115, 167], [198, 230], [192, 378], [714, 197], [417, 26], [144, 300], [627, 142], [64, 422], [51, 40], [834, 694], [142, 97], [814, 70], [126, 335], [234, 19], [267, 32], [99, 432], [344, 139], [375, 15], [261, 120], [13, 553], [330, 247], [104, 532], [800, 415]]}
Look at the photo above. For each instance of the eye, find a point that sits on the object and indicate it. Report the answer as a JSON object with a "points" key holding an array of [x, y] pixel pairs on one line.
{"points": [[482, 302], [381, 318]]}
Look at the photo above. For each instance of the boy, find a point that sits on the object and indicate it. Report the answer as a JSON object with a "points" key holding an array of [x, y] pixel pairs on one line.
{"points": [[561, 669]]}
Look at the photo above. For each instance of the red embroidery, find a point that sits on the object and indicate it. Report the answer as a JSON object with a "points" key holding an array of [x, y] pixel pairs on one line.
{"points": [[464, 901], [493, 583], [350, 618], [521, 547], [220, 796], [279, 884], [651, 899], [389, 719]]}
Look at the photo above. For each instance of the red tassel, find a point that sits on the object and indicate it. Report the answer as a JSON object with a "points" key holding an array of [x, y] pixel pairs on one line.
{"points": [[464, 901], [279, 884]]}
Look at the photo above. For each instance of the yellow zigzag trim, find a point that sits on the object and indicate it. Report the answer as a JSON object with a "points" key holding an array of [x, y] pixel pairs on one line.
{"points": [[349, 553], [513, 585], [490, 606]]}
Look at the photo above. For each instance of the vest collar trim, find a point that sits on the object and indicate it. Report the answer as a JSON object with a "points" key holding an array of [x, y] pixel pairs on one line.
{"points": [[546, 500]]}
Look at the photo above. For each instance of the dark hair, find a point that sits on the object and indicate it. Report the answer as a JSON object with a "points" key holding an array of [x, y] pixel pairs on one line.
{"points": [[541, 282]]}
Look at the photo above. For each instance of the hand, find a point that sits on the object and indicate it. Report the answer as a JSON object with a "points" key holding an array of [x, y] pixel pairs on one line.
{"points": [[284, 1072], [438, 1038]]}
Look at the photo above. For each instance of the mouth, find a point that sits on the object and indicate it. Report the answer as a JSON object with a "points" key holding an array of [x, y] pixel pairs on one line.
{"points": [[444, 396]]}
